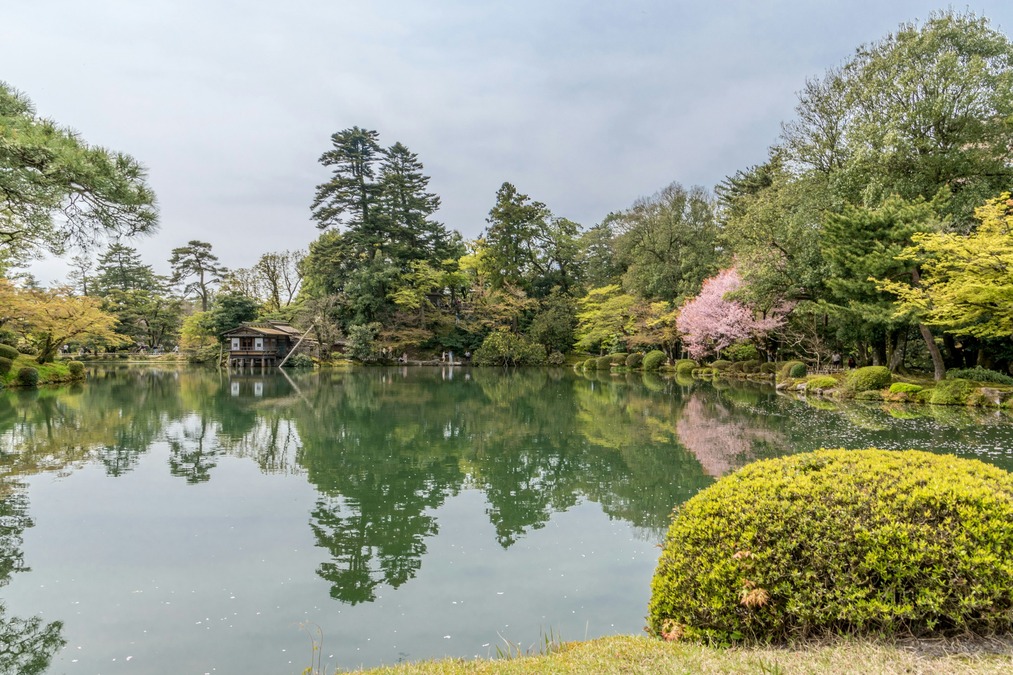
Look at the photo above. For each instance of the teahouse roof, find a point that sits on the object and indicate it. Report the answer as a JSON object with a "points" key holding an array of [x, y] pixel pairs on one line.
{"points": [[273, 328]]}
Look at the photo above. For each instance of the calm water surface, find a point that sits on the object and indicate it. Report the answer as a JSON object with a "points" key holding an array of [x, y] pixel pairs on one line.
{"points": [[162, 521]]}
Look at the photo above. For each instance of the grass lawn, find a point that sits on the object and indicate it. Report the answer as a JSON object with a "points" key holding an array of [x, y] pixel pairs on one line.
{"points": [[49, 373], [634, 654]]}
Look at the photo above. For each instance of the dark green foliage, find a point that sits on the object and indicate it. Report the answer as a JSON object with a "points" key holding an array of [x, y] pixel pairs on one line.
{"points": [[604, 362], [797, 370], [978, 374], [76, 369], [28, 377], [229, 311], [8, 352], [654, 359], [299, 361], [634, 360], [721, 364], [750, 366], [866, 379], [503, 348], [618, 359], [952, 392], [5, 365], [9, 338], [840, 542], [768, 367], [905, 388]]}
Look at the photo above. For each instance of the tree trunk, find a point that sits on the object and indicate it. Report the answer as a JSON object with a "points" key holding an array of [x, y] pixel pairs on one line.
{"points": [[894, 338], [937, 357]]}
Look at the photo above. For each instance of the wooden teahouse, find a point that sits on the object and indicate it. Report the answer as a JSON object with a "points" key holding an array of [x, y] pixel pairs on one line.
{"points": [[261, 344]]}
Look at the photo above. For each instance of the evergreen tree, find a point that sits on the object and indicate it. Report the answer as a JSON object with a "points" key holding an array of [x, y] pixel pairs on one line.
{"points": [[195, 260]]}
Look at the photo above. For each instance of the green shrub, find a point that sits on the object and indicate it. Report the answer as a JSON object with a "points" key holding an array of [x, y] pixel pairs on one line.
{"points": [[866, 379], [840, 542], [952, 392], [741, 351], [634, 360], [299, 361], [76, 369], [8, 352], [785, 372], [978, 374], [768, 367], [604, 363], [797, 369], [869, 395], [821, 382], [721, 364], [654, 359], [618, 359], [5, 365], [503, 348], [28, 377], [590, 364], [556, 359], [905, 388], [685, 366], [751, 366]]}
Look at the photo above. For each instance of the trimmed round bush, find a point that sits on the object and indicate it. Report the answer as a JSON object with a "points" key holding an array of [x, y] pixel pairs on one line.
{"points": [[556, 359], [5, 365], [76, 369], [905, 388], [751, 366], [28, 377], [604, 362], [618, 359], [721, 364], [952, 392], [797, 370], [634, 360], [821, 382], [867, 379], [299, 361], [685, 366], [8, 352], [590, 364], [654, 359], [840, 542], [785, 372], [768, 367]]}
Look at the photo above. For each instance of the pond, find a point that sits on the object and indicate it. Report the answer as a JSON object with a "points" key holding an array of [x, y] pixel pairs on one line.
{"points": [[190, 521]]}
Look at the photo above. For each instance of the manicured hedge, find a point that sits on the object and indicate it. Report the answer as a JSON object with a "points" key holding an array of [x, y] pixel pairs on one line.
{"points": [[952, 392], [867, 379], [28, 377], [654, 359], [905, 388], [821, 382], [785, 372], [721, 364], [634, 360], [5, 365], [840, 542], [76, 369], [685, 366], [8, 352]]}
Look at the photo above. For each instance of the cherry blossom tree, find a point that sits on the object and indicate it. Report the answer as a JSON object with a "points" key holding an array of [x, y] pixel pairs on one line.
{"points": [[710, 321]]}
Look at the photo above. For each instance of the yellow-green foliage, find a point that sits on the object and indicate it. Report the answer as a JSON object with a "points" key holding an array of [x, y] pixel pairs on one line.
{"points": [[840, 542], [905, 388], [786, 368], [721, 364], [821, 382], [866, 379], [654, 359], [952, 392], [8, 352], [685, 366]]}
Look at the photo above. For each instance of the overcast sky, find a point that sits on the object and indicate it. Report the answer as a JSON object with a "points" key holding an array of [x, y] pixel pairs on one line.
{"points": [[584, 106]]}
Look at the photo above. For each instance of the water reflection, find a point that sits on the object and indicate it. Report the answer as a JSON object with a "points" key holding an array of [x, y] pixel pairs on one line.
{"points": [[385, 449]]}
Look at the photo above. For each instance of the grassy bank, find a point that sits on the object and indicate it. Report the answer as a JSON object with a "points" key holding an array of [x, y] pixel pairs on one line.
{"points": [[55, 372], [630, 654]]}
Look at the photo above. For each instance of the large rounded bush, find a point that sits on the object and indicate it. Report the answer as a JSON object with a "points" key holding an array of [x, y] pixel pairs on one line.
{"points": [[618, 359], [654, 359], [28, 377], [867, 379], [952, 392], [76, 369], [634, 360], [8, 352], [604, 362], [721, 364], [840, 542], [820, 382], [5, 365], [785, 372], [685, 367]]}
